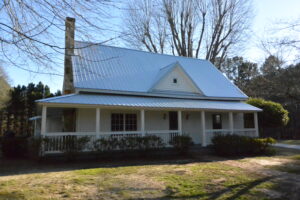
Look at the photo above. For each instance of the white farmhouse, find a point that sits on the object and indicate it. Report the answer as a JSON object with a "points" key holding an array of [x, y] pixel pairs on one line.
{"points": [[120, 92]]}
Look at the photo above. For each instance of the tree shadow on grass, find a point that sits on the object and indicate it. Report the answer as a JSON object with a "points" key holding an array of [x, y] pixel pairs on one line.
{"points": [[244, 188], [232, 192], [284, 182], [59, 164], [86, 161], [23, 166]]}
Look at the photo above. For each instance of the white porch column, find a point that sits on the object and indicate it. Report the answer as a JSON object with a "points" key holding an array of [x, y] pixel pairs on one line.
{"points": [[35, 133], [143, 121], [256, 124], [44, 120], [179, 115], [231, 122], [97, 122], [203, 128]]}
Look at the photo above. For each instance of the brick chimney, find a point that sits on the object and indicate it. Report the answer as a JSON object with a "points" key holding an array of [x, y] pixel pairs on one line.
{"points": [[68, 85], [69, 114]]}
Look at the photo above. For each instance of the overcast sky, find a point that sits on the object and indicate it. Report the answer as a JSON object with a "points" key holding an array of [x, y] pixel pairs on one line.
{"points": [[267, 13]]}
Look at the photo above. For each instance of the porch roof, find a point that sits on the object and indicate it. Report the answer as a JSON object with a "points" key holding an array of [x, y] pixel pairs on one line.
{"points": [[146, 102]]}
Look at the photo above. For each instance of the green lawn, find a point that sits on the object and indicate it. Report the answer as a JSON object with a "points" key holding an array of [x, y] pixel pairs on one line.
{"points": [[223, 179], [292, 167], [294, 142]]}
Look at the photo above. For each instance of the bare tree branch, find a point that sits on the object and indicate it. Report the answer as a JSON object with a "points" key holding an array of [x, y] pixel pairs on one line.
{"points": [[206, 28], [32, 31], [283, 40]]}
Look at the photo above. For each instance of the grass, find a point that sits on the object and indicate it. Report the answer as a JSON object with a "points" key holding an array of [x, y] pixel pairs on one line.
{"points": [[293, 142], [209, 181], [199, 180], [293, 162], [193, 180]]}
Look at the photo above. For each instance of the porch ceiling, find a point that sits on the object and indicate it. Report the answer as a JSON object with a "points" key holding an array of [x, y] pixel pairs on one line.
{"points": [[146, 102]]}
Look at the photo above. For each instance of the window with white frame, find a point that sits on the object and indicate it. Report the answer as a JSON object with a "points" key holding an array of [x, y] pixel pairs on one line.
{"points": [[130, 122], [117, 122], [121, 122]]}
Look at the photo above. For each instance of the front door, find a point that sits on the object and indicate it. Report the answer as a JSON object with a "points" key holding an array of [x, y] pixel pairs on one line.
{"points": [[173, 120]]}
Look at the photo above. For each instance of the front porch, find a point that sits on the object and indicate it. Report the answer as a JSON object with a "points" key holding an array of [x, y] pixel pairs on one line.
{"points": [[118, 122]]}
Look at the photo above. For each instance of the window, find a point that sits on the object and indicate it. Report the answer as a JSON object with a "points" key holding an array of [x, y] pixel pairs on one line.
{"points": [[174, 80], [117, 122], [217, 121], [121, 122], [130, 122], [248, 120]]}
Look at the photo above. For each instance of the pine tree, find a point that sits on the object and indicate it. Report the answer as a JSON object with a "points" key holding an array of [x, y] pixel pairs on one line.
{"points": [[21, 106]]}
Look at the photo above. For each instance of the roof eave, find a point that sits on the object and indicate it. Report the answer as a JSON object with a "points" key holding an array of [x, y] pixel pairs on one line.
{"points": [[133, 93], [72, 105]]}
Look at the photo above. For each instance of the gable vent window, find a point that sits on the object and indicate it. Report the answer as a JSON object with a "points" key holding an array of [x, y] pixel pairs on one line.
{"points": [[174, 80]]}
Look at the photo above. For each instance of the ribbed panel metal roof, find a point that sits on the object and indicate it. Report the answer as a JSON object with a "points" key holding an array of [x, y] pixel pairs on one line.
{"points": [[112, 68], [148, 102]]}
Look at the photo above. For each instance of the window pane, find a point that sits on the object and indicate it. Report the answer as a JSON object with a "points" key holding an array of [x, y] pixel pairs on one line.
{"points": [[217, 121], [248, 120], [117, 122], [130, 122]]}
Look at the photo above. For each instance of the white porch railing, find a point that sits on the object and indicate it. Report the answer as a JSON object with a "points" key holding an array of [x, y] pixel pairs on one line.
{"points": [[165, 135], [249, 132], [56, 141]]}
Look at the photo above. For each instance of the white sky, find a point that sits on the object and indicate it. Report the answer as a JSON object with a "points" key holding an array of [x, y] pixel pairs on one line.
{"points": [[267, 13]]}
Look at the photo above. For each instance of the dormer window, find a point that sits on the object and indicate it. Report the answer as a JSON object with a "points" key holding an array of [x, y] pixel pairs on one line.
{"points": [[174, 80]]}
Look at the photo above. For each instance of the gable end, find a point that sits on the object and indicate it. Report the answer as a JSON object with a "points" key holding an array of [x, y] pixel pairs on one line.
{"points": [[174, 79]]}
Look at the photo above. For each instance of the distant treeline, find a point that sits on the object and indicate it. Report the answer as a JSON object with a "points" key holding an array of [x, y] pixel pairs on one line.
{"points": [[20, 106], [272, 81]]}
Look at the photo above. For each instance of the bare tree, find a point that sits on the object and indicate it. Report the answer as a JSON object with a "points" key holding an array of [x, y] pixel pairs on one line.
{"points": [[32, 32], [283, 40], [208, 29], [146, 26]]}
